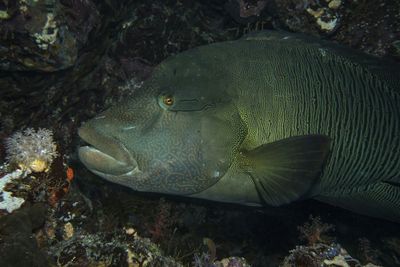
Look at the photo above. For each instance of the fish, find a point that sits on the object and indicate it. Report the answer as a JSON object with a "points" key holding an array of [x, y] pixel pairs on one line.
{"points": [[266, 120]]}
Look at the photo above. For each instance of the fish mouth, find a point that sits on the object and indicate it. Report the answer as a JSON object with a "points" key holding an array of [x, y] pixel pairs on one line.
{"points": [[104, 155]]}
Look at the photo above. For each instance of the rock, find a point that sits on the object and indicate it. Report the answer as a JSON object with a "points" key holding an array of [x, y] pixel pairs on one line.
{"points": [[44, 35], [17, 246], [244, 11]]}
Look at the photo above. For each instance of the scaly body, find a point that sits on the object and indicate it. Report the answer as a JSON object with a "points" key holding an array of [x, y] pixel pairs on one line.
{"points": [[281, 94]]}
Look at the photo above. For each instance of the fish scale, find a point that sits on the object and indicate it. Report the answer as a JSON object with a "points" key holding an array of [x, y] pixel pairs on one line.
{"points": [[268, 119], [364, 127], [340, 113]]}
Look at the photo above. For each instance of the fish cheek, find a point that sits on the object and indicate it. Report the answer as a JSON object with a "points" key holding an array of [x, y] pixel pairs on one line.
{"points": [[220, 140], [185, 152], [181, 163], [179, 174], [212, 146]]}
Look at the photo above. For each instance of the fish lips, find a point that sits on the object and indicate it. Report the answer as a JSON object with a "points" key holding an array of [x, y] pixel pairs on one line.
{"points": [[104, 155]]}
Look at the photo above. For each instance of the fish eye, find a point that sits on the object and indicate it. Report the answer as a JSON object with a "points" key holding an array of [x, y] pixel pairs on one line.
{"points": [[168, 100]]}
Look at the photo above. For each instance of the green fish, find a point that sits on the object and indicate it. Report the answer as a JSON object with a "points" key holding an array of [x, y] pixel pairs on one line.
{"points": [[268, 119]]}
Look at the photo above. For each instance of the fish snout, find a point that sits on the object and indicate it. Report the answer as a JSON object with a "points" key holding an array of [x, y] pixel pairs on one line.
{"points": [[98, 161], [104, 154]]}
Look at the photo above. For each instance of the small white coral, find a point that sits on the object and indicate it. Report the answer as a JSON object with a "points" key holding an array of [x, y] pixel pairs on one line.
{"points": [[48, 36], [31, 150], [7, 201]]}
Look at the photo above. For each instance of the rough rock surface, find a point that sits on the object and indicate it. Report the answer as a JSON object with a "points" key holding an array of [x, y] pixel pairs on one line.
{"points": [[18, 247], [44, 35]]}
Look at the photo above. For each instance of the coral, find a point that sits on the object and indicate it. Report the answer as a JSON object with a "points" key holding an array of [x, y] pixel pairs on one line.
{"points": [[68, 231], [337, 261], [392, 245], [164, 221], [233, 262], [208, 259], [326, 17], [31, 150], [7, 201], [320, 255], [212, 248], [314, 231], [367, 253], [203, 260], [48, 36], [111, 249]]}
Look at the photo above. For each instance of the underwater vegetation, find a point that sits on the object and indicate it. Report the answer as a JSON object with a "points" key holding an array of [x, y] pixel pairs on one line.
{"points": [[322, 250], [314, 231], [31, 150], [64, 61], [27, 151]]}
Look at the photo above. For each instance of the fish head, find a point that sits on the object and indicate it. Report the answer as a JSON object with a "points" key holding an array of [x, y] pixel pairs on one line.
{"points": [[178, 134]]}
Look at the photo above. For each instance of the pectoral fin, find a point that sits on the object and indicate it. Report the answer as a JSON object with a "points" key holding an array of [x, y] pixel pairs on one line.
{"points": [[285, 170]]}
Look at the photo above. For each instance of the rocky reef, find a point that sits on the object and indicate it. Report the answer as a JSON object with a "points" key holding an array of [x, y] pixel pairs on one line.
{"points": [[44, 35], [63, 61]]}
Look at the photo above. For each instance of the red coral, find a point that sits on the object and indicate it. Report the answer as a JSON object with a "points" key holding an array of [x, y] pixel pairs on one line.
{"points": [[314, 231], [163, 223]]}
